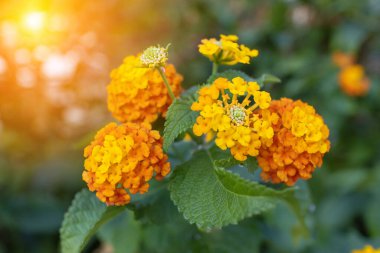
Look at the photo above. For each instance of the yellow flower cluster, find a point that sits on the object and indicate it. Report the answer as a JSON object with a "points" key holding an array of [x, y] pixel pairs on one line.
{"points": [[352, 78], [226, 50], [226, 108], [299, 143], [123, 157], [367, 249], [138, 94]]}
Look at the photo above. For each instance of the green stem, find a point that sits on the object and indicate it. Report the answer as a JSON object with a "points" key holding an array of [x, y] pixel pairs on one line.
{"points": [[171, 94], [214, 68]]}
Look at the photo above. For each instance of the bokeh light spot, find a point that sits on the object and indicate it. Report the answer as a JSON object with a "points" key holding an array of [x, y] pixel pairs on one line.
{"points": [[34, 21]]}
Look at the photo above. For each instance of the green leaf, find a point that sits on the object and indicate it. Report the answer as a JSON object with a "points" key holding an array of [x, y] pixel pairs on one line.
{"points": [[224, 159], [372, 217], [180, 152], [213, 197], [123, 233], [230, 74], [267, 78], [180, 117], [85, 215]]}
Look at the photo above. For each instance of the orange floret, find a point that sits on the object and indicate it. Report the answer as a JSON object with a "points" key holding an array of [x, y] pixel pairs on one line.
{"points": [[122, 159], [299, 143], [138, 94]]}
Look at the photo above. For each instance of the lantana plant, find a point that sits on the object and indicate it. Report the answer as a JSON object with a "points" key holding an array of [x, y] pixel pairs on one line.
{"points": [[209, 130]]}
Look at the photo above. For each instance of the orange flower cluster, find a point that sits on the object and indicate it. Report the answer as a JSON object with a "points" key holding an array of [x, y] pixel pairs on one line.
{"points": [[299, 143], [138, 94], [123, 157], [352, 78]]}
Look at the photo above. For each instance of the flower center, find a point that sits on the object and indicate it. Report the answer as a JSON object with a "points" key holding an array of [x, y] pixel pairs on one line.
{"points": [[237, 114], [154, 57]]}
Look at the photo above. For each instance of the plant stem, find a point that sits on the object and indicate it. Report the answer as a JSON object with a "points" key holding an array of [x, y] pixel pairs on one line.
{"points": [[171, 94], [214, 68]]}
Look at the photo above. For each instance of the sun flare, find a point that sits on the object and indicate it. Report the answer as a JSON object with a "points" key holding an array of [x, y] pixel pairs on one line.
{"points": [[34, 21]]}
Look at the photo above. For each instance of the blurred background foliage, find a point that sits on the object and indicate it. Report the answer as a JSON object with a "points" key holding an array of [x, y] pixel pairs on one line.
{"points": [[55, 59]]}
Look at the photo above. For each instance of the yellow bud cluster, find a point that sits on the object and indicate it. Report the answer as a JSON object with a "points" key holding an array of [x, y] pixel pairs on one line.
{"points": [[122, 159], [226, 50], [154, 57], [299, 143], [235, 121]]}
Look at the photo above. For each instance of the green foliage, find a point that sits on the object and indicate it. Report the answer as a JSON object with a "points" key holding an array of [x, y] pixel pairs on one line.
{"points": [[84, 217], [181, 151], [212, 197], [179, 117], [230, 74], [226, 160], [123, 233], [267, 79]]}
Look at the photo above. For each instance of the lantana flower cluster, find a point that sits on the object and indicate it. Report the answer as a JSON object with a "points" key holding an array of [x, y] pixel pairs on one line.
{"points": [[352, 78], [226, 50], [123, 157], [299, 143], [138, 94], [235, 122]]}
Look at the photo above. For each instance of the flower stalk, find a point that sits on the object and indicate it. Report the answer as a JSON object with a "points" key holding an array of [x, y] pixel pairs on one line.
{"points": [[171, 94]]}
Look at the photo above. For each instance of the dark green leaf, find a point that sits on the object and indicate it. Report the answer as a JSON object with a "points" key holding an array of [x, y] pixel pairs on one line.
{"points": [[123, 233], [85, 215], [267, 79], [180, 152], [224, 159], [213, 197], [230, 74], [180, 117]]}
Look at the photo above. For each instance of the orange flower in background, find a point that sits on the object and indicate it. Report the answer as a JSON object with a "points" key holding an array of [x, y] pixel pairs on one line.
{"points": [[342, 60], [367, 249], [138, 94], [122, 158], [352, 78], [353, 81], [299, 143]]}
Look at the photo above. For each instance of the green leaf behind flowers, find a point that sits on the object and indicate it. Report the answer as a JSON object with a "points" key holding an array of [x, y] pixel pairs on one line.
{"points": [[85, 215], [267, 79], [180, 117], [229, 74], [212, 197]]}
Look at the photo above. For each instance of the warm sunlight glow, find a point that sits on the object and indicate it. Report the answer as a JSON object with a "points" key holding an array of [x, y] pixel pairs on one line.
{"points": [[34, 21]]}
